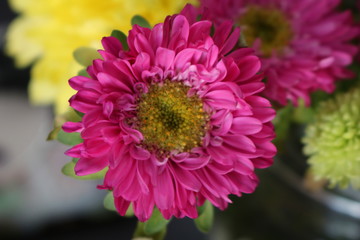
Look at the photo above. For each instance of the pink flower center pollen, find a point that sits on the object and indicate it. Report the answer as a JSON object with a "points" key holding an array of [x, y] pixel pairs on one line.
{"points": [[269, 25], [169, 119]]}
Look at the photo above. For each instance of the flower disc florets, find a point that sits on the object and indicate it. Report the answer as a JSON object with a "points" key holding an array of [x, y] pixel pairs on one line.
{"points": [[177, 118], [269, 25], [169, 119], [332, 141]]}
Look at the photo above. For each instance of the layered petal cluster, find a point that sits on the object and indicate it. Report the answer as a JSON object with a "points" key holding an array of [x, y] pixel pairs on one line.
{"points": [[304, 45], [48, 31], [332, 141], [177, 118]]}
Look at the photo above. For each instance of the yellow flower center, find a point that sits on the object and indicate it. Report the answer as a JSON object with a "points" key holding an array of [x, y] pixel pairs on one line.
{"points": [[268, 24], [169, 119]]}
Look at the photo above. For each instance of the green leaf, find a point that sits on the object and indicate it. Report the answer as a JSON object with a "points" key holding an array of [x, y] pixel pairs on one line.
{"points": [[201, 209], [139, 231], [79, 114], [70, 115], [53, 134], [205, 220], [85, 55], [282, 122], [156, 223], [69, 138], [139, 20], [303, 114], [140, 234], [121, 37], [242, 41], [83, 73], [109, 202], [129, 212], [160, 235], [68, 170]]}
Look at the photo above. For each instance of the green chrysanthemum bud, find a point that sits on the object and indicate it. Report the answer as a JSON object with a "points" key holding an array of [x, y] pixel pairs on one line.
{"points": [[332, 141]]}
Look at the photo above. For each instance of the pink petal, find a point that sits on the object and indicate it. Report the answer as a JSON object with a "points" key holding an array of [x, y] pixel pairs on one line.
{"points": [[250, 89], [108, 81], [78, 82], [87, 166], [244, 166], [248, 66], [179, 33], [246, 125], [164, 58], [72, 127], [186, 57], [224, 126], [142, 45], [240, 143], [192, 163], [121, 205], [164, 190], [231, 41], [75, 151], [244, 183], [141, 64], [143, 207], [222, 32], [156, 36], [262, 162], [112, 45], [186, 178], [220, 99], [142, 178], [200, 30], [96, 147], [110, 133], [139, 153]]}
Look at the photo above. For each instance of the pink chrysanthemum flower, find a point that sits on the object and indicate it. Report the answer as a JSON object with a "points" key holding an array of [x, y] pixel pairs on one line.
{"points": [[303, 44], [176, 118]]}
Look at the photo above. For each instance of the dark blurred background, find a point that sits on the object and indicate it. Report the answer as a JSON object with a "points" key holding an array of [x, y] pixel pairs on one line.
{"points": [[38, 202], [10, 78]]}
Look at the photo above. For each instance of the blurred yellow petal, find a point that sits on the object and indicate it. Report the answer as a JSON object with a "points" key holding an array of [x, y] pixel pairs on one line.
{"points": [[43, 91], [18, 45], [48, 31]]}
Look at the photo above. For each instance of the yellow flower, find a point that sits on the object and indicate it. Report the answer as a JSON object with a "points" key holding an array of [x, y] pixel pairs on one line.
{"points": [[48, 31]]}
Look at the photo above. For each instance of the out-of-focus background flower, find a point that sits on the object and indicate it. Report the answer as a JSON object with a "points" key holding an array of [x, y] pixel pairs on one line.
{"points": [[47, 32], [38, 202]]}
